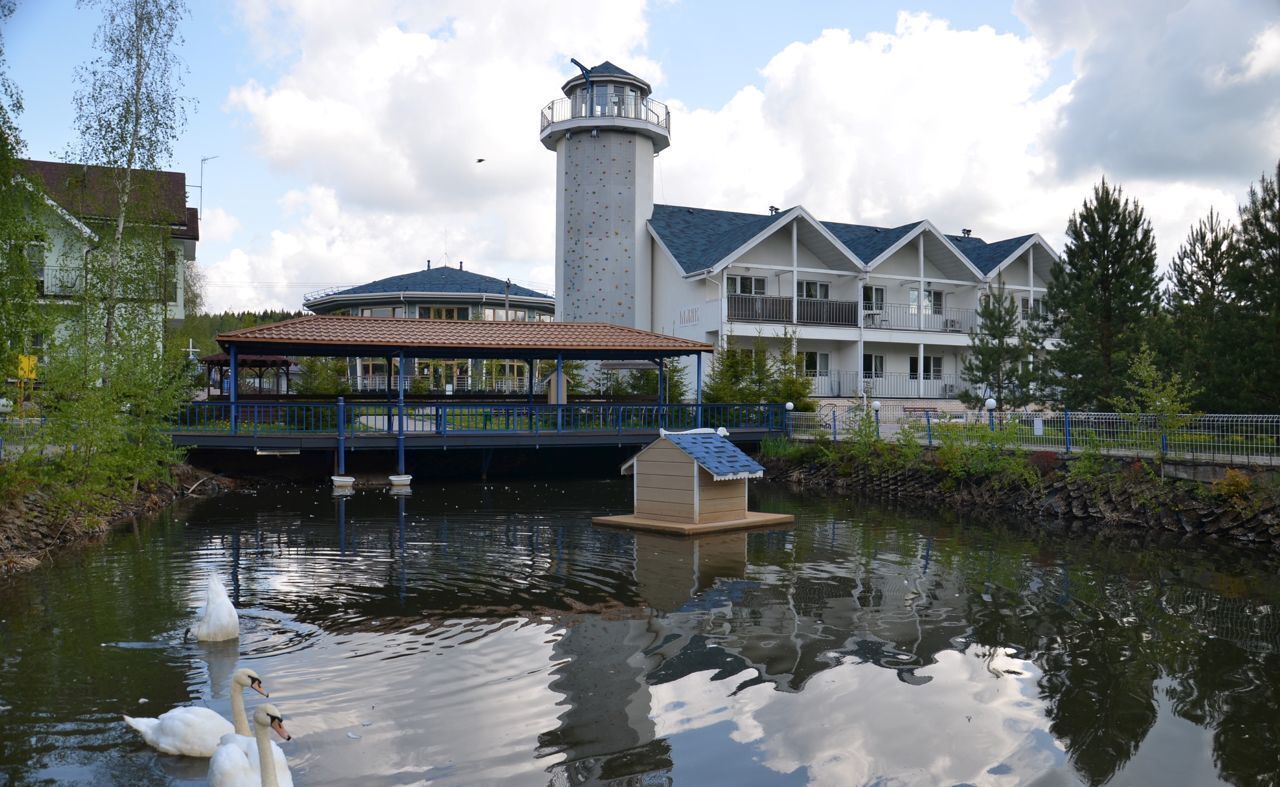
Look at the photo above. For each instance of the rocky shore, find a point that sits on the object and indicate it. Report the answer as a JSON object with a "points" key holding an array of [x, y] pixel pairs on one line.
{"points": [[1128, 498], [32, 528]]}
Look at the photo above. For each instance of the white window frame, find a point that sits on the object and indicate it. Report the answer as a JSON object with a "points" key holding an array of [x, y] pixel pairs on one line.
{"points": [[876, 303], [935, 299], [757, 285], [368, 311], [821, 290], [932, 367], [875, 369], [821, 363]]}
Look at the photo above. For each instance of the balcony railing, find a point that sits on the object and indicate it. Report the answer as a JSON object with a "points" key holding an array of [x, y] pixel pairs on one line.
{"points": [[759, 308], [816, 311], [646, 110], [905, 316], [889, 385], [809, 311]]}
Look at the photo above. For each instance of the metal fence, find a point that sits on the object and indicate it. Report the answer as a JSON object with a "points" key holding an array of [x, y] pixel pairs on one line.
{"points": [[1225, 439]]}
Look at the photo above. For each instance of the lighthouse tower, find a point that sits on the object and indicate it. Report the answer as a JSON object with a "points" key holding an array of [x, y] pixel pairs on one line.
{"points": [[605, 133]]}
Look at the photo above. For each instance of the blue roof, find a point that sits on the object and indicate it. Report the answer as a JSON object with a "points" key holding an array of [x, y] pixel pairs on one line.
{"points": [[443, 279], [986, 256], [699, 238], [716, 454]]}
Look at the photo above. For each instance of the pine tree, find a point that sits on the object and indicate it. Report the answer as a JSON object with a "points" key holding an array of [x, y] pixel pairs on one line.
{"points": [[1254, 285], [1102, 297], [1198, 308], [1001, 354]]}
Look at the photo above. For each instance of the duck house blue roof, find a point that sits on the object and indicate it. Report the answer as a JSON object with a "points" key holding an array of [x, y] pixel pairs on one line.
{"points": [[715, 454]]}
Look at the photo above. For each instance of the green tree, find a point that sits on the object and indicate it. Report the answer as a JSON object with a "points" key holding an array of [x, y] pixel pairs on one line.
{"points": [[1197, 300], [1254, 285], [789, 383], [644, 382], [1001, 351], [128, 115], [1152, 395], [20, 315], [325, 377], [1102, 297]]}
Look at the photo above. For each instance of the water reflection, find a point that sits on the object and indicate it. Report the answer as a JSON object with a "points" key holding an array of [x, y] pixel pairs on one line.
{"points": [[488, 634]]}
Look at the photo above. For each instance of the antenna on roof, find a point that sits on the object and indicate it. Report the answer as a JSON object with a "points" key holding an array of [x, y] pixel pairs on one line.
{"points": [[966, 232]]}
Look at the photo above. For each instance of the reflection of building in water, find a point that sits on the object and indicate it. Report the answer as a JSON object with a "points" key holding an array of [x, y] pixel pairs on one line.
{"points": [[605, 731], [671, 572]]}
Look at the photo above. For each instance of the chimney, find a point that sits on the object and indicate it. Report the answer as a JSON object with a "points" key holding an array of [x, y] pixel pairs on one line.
{"points": [[966, 232], [773, 210], [428, 264], [459, 264]]}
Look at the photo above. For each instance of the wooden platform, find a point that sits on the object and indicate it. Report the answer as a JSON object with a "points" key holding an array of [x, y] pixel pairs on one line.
{"points": [[753, 519]]}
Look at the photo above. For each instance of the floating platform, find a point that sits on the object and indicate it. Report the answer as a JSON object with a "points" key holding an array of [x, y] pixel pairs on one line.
{"points": [[752, 520]]}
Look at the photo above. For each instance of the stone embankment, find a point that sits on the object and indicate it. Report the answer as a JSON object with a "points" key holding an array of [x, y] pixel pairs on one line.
{"points": [[32, 527], [1128, 498]]}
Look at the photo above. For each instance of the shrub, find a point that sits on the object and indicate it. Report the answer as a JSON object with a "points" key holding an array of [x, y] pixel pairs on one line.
{"points": [[1234, 484], [789, 450]]}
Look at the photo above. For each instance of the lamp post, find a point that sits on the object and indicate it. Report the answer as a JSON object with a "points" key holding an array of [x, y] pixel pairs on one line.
{"points": [[991, 414], [875, 408], [786, 416]]}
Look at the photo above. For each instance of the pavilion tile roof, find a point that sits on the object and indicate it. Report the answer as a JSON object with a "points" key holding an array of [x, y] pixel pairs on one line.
{"points": [[410, 334]]}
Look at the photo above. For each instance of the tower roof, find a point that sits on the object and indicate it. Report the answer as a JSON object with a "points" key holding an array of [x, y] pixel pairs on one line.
{"points": [[608, 72]]}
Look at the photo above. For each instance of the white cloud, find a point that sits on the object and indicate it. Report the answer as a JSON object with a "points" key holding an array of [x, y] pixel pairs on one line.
{"points": [[218, 226], [384, 109]]}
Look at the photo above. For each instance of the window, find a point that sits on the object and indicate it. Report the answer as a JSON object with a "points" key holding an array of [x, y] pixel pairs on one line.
{"points": [[817, 364], [932, 301], [932, 367], [819, 290], [505, 315], [872, 298], [1031, 308], [382, 311], [872, 366], [444, 312], [745, 285]]}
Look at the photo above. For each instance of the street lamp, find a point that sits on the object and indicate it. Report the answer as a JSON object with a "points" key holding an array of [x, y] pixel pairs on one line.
{"points": [[875, 408], [991, 413]]}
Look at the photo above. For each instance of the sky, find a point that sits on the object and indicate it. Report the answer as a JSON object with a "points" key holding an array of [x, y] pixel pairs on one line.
{"points": [[341, 138]]}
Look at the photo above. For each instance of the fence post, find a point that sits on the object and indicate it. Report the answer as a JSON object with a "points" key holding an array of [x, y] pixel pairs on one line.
{"points": [[1164, 443], [835, 433], [928, 427], [342, 437], [1066, 430]]}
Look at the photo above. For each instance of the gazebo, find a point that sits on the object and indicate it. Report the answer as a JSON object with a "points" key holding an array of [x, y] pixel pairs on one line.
{"points": [[218, 364]]}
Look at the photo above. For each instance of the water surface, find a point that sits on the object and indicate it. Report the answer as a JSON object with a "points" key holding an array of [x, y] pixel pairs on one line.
{"points": [[476, 634]]}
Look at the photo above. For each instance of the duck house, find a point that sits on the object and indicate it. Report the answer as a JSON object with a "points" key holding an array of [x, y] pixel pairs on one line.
{"points": [[692, 482]]}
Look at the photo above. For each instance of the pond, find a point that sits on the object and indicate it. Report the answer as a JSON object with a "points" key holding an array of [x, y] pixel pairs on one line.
{"points": [[489, 634]]}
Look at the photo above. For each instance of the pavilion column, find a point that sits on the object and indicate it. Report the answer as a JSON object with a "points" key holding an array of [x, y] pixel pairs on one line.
{"points": [[400, 408], [562, 392], [697, 392], [530, 364], [235, 384], [920, 371], [387, 380]]}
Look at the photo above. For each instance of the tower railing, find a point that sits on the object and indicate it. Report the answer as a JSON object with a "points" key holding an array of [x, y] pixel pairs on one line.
{"points": [[646, 109]]}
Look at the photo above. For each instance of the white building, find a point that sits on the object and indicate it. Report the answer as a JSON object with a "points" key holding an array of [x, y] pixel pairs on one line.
{"points": [[74, 209], [881, 311]]}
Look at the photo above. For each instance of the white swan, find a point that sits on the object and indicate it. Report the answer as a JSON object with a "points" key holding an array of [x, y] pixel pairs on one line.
{"points": [[196, 731], [218, 620], [235, 764]]}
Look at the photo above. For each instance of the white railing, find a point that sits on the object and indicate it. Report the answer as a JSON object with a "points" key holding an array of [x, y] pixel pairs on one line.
{"points": [[642, 109], [905, 316]]}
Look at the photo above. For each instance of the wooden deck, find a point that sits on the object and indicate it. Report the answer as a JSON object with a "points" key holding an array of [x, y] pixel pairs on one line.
{"points": [[753, 520]]}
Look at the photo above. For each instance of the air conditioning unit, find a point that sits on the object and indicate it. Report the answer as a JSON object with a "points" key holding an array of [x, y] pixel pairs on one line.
{"points": [[953, 325]]}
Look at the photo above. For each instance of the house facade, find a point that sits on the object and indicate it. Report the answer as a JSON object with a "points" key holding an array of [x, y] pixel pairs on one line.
{"points": [[880, 312], [439, 293]]}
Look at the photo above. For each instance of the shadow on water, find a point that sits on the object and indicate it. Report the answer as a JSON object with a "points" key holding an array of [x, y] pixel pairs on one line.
{"points": [[488, 634]]}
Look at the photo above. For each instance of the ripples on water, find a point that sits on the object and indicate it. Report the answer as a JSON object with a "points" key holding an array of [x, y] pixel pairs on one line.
{"points": [[489, 634]]}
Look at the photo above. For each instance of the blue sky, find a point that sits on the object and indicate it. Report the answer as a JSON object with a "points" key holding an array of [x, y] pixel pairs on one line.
{"points": [[994, 114]]}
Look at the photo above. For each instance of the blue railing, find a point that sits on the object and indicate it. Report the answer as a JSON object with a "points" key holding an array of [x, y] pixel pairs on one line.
{"points": [[418, 418]]}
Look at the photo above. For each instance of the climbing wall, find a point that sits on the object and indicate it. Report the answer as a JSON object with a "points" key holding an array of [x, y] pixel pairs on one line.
{"points": [[600, 225]]}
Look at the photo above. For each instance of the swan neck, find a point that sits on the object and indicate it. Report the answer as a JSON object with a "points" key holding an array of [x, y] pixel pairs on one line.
{"points": [[266, 760], [238, 716]]}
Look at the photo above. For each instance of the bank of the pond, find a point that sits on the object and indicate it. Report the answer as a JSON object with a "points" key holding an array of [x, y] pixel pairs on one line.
{"points": [[34, 525], [1043, 489]]}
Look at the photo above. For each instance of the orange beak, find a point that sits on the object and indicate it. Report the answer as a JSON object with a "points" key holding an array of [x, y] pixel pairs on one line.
{"points": [[278, 726], [257, 686]]}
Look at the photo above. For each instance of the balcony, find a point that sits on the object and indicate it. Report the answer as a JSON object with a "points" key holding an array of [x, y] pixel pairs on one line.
{"points": [[776, 309], [905, 316]]}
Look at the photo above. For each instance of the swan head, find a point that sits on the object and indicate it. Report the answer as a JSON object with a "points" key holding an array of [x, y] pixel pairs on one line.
{"points": [[247, 678], [268, 715]]}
